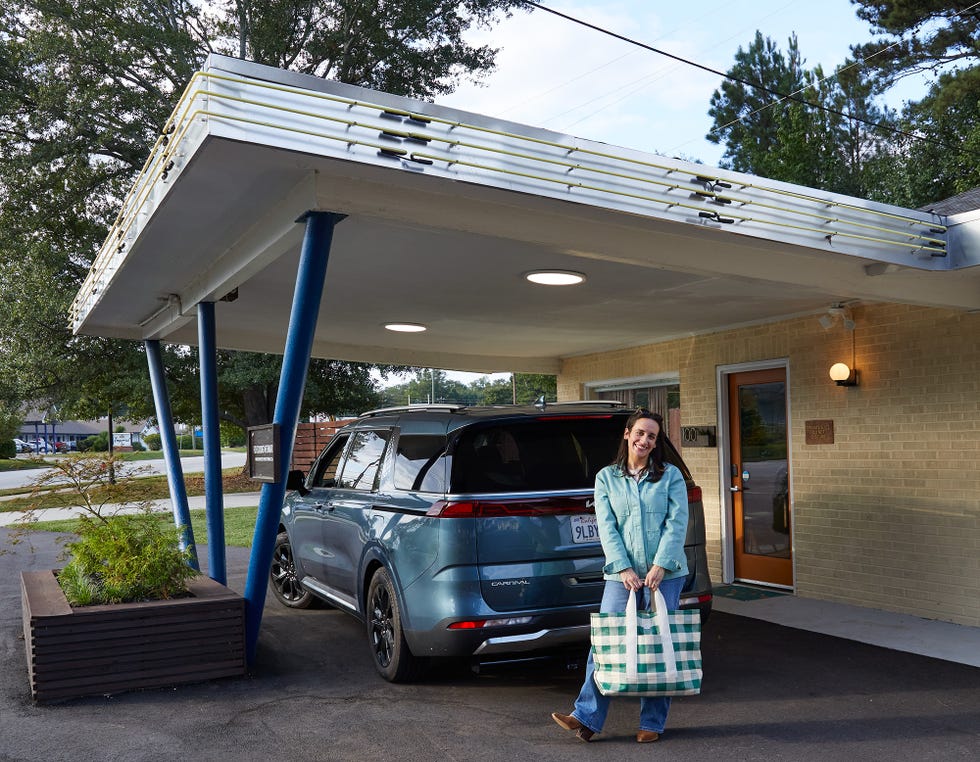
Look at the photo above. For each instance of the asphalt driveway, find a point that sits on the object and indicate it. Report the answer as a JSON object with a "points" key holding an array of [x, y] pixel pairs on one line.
{"points": [[769, 693]]}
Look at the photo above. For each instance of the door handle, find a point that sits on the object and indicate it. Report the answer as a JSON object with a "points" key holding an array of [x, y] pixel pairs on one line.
{"points": [[735, 489]]}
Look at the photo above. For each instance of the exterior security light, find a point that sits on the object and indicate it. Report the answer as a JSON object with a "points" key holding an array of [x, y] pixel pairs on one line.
{"points": [[555, 277]]}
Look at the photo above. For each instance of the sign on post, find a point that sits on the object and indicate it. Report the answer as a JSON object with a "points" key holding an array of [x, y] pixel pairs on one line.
{"points": [[122, 440], [263, 453]]}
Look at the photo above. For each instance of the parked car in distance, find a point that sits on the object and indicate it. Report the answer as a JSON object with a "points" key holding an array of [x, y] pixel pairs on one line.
{"points": [[22, 446], [456, 531], [39, 446]]}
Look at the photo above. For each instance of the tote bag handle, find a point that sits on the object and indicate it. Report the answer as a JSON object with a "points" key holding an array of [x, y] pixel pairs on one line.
{"points": [[663, 629]]}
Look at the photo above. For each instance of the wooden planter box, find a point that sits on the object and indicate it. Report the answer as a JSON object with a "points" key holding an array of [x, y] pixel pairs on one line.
{"points": [[121, 647]]}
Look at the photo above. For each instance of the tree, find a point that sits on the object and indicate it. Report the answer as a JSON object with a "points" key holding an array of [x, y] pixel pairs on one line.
{"points": [[407, 48], [85, 86], [938, 154], [482, 391], [747, 117], [248, 384], [820, 132], [919, 36]]}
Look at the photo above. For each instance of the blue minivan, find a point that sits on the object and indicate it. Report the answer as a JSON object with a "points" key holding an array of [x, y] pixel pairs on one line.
{"points": [[455, 531]]}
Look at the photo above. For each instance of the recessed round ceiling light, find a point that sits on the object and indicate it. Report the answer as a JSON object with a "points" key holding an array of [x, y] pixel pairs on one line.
{"points": [[555, 277], [406, 327]]}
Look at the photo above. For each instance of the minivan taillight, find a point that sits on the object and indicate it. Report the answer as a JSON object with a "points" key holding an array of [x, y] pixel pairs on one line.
{"points": [[481, 509]]}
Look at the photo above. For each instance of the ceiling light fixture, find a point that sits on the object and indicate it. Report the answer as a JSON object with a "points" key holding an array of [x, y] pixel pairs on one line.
{"points": [[555, 277], [406, 327]]}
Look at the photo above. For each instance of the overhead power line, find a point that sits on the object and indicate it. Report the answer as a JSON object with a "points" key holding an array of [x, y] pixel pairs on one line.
{"points": [[747, 83]]}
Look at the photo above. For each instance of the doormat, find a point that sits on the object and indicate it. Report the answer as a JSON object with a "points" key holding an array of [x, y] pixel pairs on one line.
{"points": [[745, 593]]}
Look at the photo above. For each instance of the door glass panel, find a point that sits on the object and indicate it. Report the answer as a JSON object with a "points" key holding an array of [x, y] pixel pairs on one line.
{"points": [[765, 484], [363, 460], [327, 470]]}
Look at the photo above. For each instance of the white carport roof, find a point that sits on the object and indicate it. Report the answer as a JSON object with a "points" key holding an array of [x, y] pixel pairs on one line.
{"points": [[447, 210]]}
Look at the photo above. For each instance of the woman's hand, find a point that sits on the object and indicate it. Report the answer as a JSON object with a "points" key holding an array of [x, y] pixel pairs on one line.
{"points": [[631, 580], [654, 577]]}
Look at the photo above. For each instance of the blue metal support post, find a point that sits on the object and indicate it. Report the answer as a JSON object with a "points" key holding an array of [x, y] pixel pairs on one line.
{"points": [[171, 453], [213, 492], [310, 278]]}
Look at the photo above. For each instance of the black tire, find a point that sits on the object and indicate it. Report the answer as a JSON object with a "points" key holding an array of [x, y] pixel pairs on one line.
{"points": [[282, 576], [392, 657]]}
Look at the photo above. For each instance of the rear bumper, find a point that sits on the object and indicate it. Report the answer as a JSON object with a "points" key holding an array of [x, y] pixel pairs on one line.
{"points": [[541, 640], [550, 632]]}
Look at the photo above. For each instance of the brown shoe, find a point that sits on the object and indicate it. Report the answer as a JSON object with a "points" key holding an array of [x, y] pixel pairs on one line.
{"points": [[570, 723], [647, 736]]}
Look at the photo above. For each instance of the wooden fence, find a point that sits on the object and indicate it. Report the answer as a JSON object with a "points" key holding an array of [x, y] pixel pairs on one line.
{"points": [[311, 438]]}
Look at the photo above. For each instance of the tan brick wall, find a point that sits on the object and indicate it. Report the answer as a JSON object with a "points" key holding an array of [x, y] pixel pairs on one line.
{"points": [[889, 515]]}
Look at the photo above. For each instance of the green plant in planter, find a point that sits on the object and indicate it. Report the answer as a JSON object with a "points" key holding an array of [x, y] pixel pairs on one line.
{"points": [[124, 558], [127, 555]]}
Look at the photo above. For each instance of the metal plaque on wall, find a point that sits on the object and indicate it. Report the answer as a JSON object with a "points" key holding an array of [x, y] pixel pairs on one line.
{"points": [[699, 436], [819, 432]]}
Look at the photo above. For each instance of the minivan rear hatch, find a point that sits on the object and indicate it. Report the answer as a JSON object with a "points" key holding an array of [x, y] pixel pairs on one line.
{"points": [[528, 484]]}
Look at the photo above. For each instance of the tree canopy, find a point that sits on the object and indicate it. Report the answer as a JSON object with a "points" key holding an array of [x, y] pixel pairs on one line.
{"points": [[85, 87], [428, 385], [781, 120]]}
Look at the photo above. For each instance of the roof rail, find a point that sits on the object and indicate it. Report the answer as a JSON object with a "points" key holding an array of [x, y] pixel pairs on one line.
{"points": [[542, 404], [600, 403], [445, 408]]}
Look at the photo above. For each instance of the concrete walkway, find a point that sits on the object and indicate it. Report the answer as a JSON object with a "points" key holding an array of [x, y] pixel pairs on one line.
{"points": [[232, 500], [901, 632]]}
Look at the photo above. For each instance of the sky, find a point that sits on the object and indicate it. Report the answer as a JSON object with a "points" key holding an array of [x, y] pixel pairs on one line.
{"points": [[555, 74]]}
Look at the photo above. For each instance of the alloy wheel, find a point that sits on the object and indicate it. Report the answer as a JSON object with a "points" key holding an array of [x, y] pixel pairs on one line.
{"points": [[382, 626]]}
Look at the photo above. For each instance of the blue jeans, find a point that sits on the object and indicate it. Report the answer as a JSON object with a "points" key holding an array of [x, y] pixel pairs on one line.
{"points": [[591, 706]]}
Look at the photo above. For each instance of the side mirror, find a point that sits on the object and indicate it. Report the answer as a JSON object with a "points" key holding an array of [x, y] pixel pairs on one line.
{"points": [[296, 481]]}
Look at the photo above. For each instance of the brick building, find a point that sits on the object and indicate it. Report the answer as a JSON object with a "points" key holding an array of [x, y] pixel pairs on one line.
{"points": [[719, 298]]}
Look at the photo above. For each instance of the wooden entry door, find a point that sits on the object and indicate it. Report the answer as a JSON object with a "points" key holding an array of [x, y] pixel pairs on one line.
{"points": [[759, 477]]}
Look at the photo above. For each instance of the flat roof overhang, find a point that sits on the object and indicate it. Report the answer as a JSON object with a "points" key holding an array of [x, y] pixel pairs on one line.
{"points": [[445, 213]]}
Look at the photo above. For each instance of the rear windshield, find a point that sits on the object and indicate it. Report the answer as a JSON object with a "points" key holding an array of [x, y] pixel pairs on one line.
{"points": [[543, 454]]}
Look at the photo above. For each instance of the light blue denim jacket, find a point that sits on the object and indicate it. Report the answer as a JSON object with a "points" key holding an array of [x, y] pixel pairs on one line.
{"points": [[642, 523]]}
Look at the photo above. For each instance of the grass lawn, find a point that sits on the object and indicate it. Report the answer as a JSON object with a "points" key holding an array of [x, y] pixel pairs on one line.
{"points": [[21, 464], [239, 525]]}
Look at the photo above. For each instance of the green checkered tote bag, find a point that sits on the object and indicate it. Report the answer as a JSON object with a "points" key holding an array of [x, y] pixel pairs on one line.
{"points": [[632, 658]]}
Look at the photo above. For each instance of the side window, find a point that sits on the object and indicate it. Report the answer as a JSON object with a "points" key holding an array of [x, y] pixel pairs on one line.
{"points": [[360, 469], [419, 465], [327, 468]]}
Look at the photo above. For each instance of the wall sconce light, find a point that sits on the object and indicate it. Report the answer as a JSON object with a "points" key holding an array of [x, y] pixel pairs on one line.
{"points": [[843, 375]]}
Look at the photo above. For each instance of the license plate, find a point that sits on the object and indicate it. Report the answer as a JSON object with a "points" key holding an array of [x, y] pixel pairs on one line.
{"points": [[584, 528]]}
